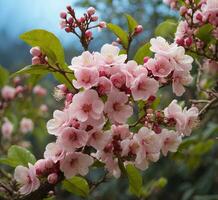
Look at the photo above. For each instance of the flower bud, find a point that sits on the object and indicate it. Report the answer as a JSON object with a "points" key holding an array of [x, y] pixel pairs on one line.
{"points": [[36, 60], [35, 51], [52, 178], [94, 18], [88, 34], [19, 89], [91, 11], [146, 59], [138, 29], [68, 29], [102, 24], [188, 41], [7, 129], [70, 20], [63, 15], [183, 10], [8, 92]]}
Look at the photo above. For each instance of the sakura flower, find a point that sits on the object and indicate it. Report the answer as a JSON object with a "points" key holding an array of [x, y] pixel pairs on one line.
{"points": [[8, 92], [44, 166], [26, 125], [26, 177], [104, 86], [72, 138], [110, 55], [85, 77], [87, 104], [181, 79], [170, 141], [75, 164], [174, 111], [159, 66], [116, 107], [7, 129], [143, 87], [85, 60], [191, 116], [54, 152], [58, 123]]}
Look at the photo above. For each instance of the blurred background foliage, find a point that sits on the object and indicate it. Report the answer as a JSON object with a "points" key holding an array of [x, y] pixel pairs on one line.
{"points": [[191, 173]]}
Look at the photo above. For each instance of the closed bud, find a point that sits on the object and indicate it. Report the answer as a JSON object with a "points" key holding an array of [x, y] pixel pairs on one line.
{"points": [[102, 24], [63, 15], [35, 51], [188, 41], [146, 59], [138, 29], [88, 34], [70, 20], [94, 18], [91, 11], [68, 29], [36, 60], [52, 178]]}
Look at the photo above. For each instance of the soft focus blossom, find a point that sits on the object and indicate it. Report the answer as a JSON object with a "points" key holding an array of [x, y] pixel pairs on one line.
{"points": [[8, 92], [39, 90], [26, 125], [26, 177], [7, 129]]}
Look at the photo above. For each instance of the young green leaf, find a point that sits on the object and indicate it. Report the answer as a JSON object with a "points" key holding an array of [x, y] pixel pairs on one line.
{"points": [[135, 180], [48, 42], [76, 185], [120, 33], [4, 75], [204, 33], [132, 23], [33, 69], [142, 52], [166, 29], [18, 156]]}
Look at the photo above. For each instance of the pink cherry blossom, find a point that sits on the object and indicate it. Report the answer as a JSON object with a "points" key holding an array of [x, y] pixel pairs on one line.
{"points": [[60, 120], [52, 178], [170, 141], [160, 66], [7, 129], [44, 166], [72, 138], [85, 77], [110, 55], [76, 164], [26, 177], [181, 79], [54, 152], [87, 105], [8, 92], [117, 108], [143, 87], [26, 125], [104, 86]]}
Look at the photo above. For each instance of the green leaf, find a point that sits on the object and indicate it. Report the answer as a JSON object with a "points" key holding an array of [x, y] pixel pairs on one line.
{"points": [[132, 23], [142, 52], [4, 75], [166, 29], [120, 33], [33, 69], [204, 32], [48, 42], [18, 156], [76, 185], [135, 180]]}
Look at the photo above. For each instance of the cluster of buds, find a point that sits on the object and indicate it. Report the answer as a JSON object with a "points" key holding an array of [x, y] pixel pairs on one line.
{"points": [[71, 23], [38, 56]]}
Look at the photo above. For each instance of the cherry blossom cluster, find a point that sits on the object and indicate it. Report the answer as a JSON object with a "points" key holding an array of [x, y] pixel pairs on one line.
{"points": [[71, 23], [38, 56], [94, 122]]}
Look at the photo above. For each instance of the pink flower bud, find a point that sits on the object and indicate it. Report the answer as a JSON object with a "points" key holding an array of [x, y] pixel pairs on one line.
{"points": [[69, 8], [62, 87], [63, 24], [88, 34], [146, 59], [70, 20], [36, 60], [68, 29], [102, 24], [180, 42], [35, 51], [91, 11], [16, 80], [26, 125], [188, 41], [7, 129], [8, 92], [94, 18], [81, 20], [183, 10], [63, 15], [43, 108], [19, 89], [52, 178], [39, 90], [138, 29], [199, 17]]}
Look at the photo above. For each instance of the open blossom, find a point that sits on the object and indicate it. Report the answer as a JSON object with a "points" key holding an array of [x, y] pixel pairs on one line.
{"points": [[110, 55], [87, 105], [117, 108], [181, 79], [143, 87], [8, 92], [76, 164], [85, 77], [149, 147], [58, 123], [210, 11], [26, 125], [85, 60], [104, 86], [7, 129], [159, 66], [54, 152], [27, 178], [72, 138], [170, 141]]}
